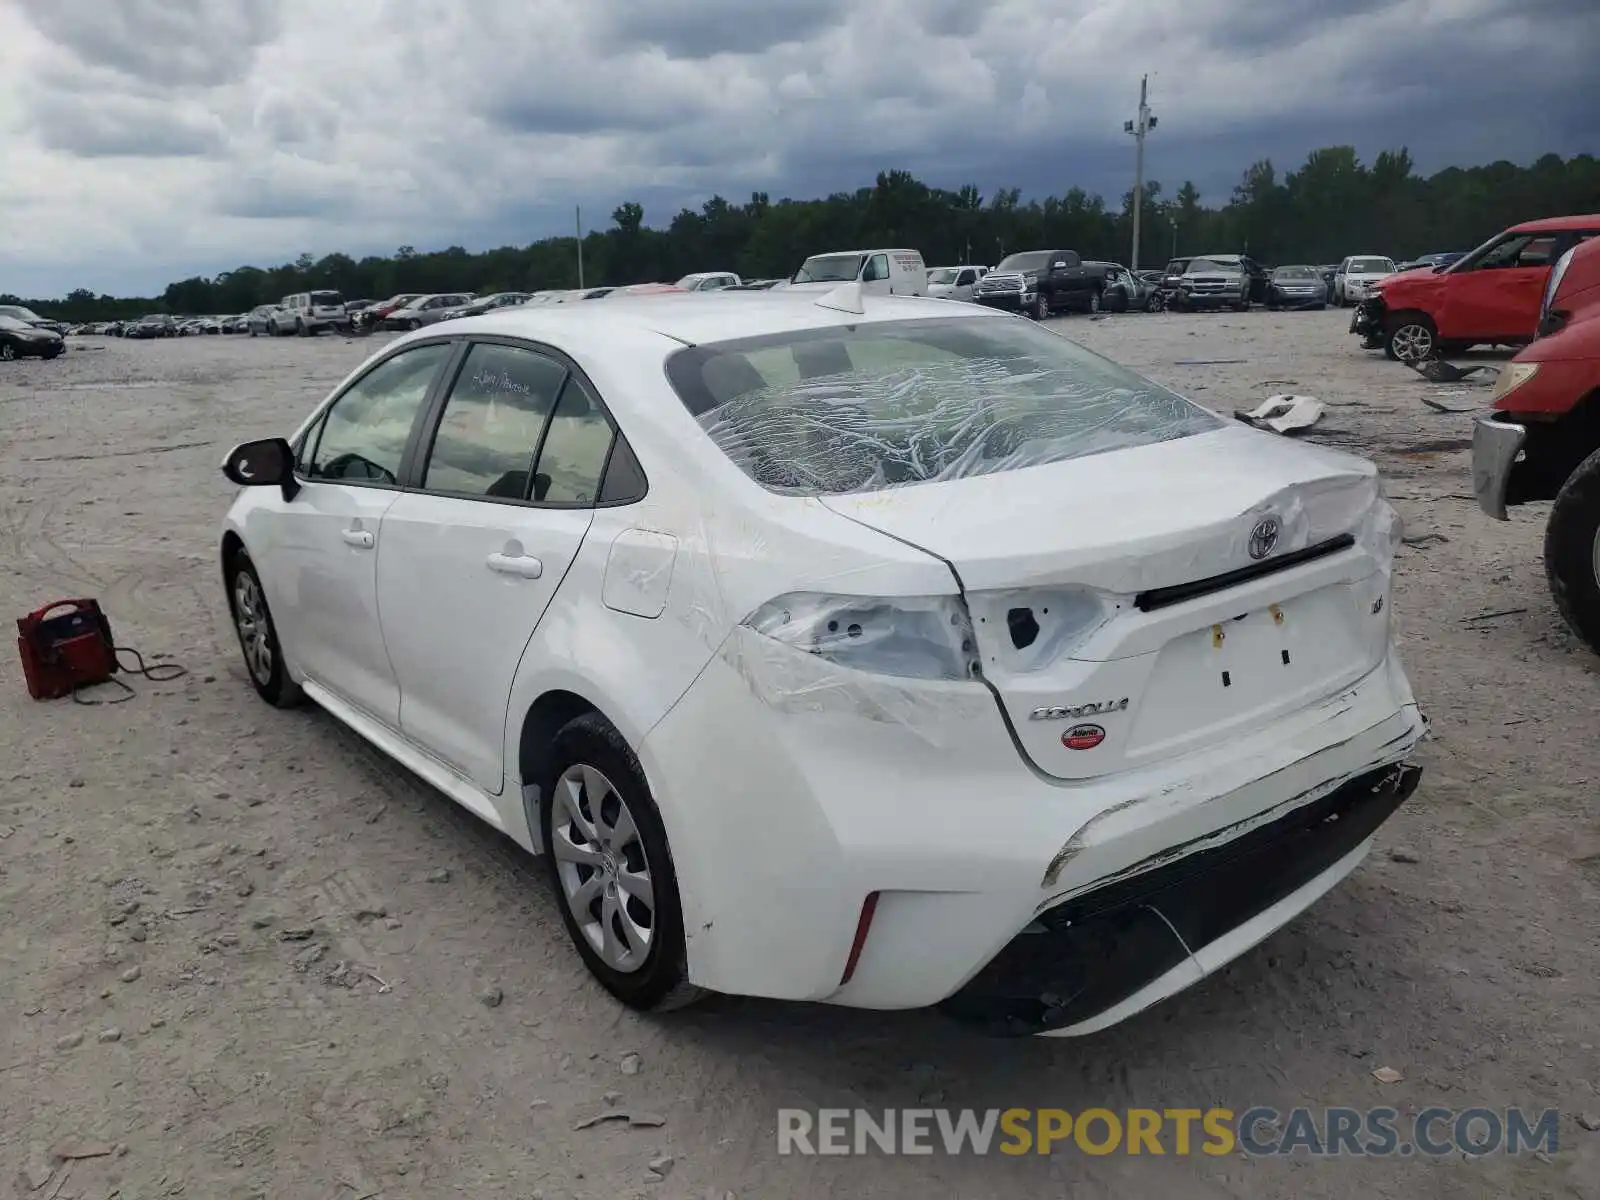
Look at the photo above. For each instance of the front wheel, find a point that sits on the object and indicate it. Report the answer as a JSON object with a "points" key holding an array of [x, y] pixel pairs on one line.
{"points": [[1041, 307], [1411, 338], [1572, 551], [1157, 302], [258, 636], [613, 873], [8, 352]]}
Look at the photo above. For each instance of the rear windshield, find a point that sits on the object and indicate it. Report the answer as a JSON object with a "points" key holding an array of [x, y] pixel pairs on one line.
{"points": [[886, 404], [1296, 273], [325, 298]]}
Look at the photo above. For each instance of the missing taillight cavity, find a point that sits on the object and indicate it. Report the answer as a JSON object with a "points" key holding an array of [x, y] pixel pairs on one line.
{"points": [[1024, 627]]}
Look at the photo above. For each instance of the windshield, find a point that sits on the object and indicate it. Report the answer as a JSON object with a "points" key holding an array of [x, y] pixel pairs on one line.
{"points": [[1370, 266], [942, 275], [830, 268], [17, 312], [12, 323], [158, 317], [1030, 260], [1309, 273], [887, 404], [1212, 265]]}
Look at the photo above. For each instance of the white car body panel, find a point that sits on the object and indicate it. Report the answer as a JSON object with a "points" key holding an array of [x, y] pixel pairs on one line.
{"points": [[781, 777]]}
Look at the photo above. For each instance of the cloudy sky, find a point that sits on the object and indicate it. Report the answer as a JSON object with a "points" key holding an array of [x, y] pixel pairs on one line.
{"points": [[147, 140]]}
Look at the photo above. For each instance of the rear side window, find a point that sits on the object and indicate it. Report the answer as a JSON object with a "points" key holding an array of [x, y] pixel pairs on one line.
{"points": [[888, 404], [573, 456], [492, 422]]}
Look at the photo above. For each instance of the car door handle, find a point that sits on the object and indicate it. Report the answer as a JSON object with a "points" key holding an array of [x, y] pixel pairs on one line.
{"points": [[522, 565], [362, 539]]}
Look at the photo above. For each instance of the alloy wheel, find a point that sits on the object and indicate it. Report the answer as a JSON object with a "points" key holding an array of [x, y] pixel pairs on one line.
{"points": [[604, 872], [1413, 343], [255, 634], [7, 351]]}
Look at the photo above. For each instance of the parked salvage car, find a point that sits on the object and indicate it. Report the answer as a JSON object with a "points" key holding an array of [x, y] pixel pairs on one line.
{"points": [[708, 281], [425, 310], [880, 272], [1042, 283], [156, 325], [1209, 281], [307, 314], [1358, 275], [19, 339], [485, 304], [27, 316], [1127, 292], [953, 283], [262, 319], [373, 314], [1542, 440], [740, 671], [1489, 297], [1296, 287]]}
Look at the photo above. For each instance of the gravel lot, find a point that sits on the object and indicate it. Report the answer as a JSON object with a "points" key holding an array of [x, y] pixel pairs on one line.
{"points": [[158, 858]]}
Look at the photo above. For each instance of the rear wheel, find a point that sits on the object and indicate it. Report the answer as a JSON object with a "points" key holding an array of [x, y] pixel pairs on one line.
{"points": [[1572, 551], [1095, 299], [8, 352], [1157, 302], [301, 329], [1411, 338], [413, 324], [608, 857]]}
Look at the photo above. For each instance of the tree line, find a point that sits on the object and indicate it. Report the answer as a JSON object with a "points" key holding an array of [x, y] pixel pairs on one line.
{"points": [[1331, 205]]}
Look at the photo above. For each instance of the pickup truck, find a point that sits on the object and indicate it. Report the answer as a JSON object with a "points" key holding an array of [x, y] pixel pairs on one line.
{"points": [[1541, 440], [1043, 282], [1489, 297]]}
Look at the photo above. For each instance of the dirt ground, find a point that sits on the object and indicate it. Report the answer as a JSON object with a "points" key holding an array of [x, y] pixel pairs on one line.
{"points": [[258, 960]]}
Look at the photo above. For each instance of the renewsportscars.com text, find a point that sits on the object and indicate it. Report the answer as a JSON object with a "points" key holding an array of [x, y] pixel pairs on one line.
{"points": [[1257, 1131]]}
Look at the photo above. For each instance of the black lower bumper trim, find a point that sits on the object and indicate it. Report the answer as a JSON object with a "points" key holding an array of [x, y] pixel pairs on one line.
{"points": [[1092, 952]]}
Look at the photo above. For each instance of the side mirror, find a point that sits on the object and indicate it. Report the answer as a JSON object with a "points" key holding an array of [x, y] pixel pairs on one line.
{"points": [[265, 463]]}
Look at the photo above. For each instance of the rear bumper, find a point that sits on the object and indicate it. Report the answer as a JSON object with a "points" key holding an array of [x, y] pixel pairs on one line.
{"points": [[1495, 446], [785, 788], [1110, 952]]}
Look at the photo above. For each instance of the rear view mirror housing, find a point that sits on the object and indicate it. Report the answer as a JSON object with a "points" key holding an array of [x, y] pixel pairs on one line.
{"points": [[264, 463]]}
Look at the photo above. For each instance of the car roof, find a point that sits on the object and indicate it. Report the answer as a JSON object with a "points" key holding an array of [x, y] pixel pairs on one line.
{"points": [[1558, 224], [695, 318]]}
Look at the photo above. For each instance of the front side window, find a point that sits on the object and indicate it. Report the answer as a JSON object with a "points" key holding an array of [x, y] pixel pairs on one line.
{"points": [[877, 268], [889, 404], [573, 456], [365, 431], [486, 439], [967, 277], [1519, 250]]}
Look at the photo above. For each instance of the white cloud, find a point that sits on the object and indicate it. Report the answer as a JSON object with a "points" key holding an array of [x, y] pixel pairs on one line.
{"points": [[149, 139]]}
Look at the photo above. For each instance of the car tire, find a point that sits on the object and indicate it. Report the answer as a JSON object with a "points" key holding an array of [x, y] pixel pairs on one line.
{"points": [[252, 331], [300, 329], [1096, 300], [413, 325], [589, 756], [1156, 303], [1411, 337], [8, 352], [252, 622], [1572, 552], [1041, 307]]}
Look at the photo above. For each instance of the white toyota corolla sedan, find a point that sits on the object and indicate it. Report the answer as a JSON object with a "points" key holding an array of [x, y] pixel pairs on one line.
{"points": [[860, 651]]}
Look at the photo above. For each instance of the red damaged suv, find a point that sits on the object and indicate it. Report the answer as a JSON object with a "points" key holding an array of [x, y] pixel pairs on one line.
{"points": [[1542, 440], [1489, 297]]}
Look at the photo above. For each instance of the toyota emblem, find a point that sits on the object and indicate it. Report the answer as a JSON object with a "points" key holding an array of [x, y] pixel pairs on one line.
{"points": [[1264, 537]]}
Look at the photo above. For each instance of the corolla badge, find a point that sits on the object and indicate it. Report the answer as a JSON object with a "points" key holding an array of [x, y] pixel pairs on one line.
{"points": [[1264, 537], [1075, 711]]}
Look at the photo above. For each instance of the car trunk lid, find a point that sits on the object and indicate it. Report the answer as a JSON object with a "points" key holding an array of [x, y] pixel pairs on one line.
{"points": [[1134, 593]]}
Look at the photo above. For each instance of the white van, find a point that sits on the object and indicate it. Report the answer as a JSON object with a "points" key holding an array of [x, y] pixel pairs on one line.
{"points": [[309, 313], [881, 272]]}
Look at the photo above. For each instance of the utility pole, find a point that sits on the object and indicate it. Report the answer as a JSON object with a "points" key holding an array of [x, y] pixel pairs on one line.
{"points": [[577, 224], [1138, 127]]}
